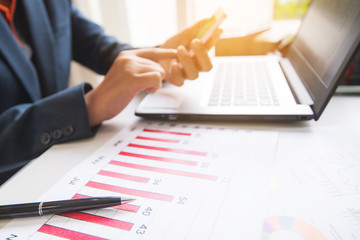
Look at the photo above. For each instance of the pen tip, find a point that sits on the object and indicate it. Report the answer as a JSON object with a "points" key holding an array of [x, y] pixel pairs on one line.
{"points": [[126, 200]]}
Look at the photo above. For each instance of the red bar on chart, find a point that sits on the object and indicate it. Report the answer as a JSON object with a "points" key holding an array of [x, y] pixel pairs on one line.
{"points": [[124, 207], [66, 233], [99, 220], [168, 149], [128, 207], [77, 196], [158, 139], [166, 132], [164, 170], [129, 191], [124, 176], [161, 159]]}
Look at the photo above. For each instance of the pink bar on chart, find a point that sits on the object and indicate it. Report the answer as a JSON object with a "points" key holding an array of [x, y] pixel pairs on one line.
{"points": [[164, 170], [66, 233], [129, 191], [98, 220], [166, 132], [77, 196], [124, 176], [124, 207], [161, 159], [168, 149], [127, 207], [158, 139]]}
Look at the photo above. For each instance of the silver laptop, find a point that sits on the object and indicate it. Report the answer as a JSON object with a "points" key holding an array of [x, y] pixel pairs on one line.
{"points": [[296, 86]]}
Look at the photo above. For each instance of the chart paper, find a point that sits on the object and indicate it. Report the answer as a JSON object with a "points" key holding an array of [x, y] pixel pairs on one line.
{"points": [[189, 182]]}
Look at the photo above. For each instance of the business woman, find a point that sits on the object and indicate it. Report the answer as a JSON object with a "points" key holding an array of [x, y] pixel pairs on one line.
{"points": [[38, 40]]}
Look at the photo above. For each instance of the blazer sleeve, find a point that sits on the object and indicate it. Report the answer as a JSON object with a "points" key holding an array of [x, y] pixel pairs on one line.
{"points": [[28, 130], [91, 47]]}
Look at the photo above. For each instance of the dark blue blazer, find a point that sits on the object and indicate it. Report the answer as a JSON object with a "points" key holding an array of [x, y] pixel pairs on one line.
{"points": [[37, 109]]}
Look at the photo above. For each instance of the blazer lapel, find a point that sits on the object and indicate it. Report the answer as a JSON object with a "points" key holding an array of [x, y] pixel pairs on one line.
{"points": [[42, 38], [18, 60]]}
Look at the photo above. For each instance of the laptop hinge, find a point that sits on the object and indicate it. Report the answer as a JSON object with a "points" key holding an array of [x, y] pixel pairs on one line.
{"points": [[297, 86]]}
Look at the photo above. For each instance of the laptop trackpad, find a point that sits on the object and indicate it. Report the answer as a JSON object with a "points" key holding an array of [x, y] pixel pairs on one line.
{"points": [[165, 98]]}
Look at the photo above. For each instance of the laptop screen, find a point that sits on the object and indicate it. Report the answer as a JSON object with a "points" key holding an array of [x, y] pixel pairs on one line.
{"points": [[327, 40]]}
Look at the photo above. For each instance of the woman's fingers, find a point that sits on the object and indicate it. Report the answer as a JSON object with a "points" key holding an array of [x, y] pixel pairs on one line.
{"points": [[151, 80], [176, 74], [189, 67], [156, 54], [201, 57], [190, 63]]}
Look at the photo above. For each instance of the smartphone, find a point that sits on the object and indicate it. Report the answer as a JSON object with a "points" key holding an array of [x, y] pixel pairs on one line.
{"points": [[213, 23]]}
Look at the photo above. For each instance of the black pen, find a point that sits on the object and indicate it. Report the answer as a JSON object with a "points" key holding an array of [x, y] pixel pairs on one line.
{"points": [[54, 207]]}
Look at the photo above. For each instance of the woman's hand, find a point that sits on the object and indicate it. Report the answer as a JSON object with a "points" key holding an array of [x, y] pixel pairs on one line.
{"points": [[192, 54], [131, 72]]}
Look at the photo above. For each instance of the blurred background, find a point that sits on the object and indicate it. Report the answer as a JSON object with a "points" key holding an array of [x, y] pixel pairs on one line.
{"points": [[146, 23], [150, 22]]}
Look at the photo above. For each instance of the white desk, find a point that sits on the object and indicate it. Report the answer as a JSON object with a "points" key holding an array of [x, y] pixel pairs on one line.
{"points": [[342, 115]]}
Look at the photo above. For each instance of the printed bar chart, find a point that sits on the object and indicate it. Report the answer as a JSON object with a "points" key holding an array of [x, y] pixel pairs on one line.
{"points": [[173, 150], [129, 191], [99, 220], [181, 177], [124, 176], [161, 159], [128, 207], [166, 132], [164, 170], [124, 207], [66, 233], [158, 139]]}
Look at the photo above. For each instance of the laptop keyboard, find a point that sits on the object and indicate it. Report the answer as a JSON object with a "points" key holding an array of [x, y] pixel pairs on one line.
{"points": [[242, 84]]}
